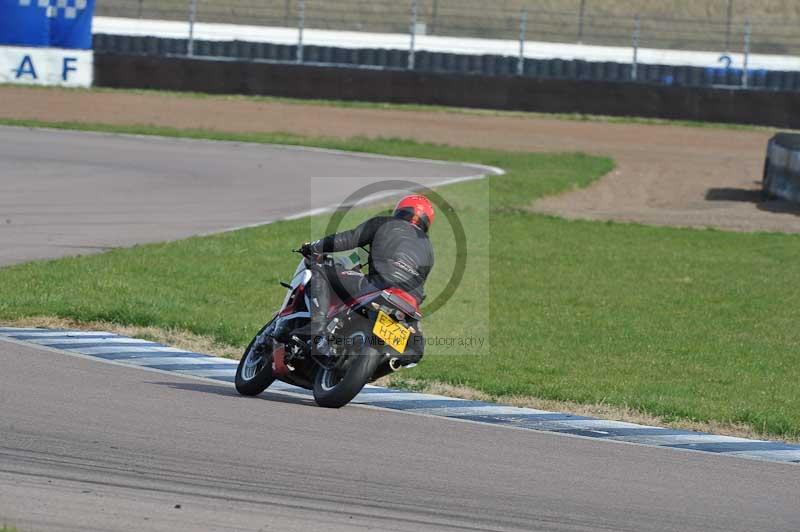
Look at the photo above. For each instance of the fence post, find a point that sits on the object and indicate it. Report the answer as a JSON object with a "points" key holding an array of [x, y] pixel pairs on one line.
{"points": [[636, 33], [192, 19], [413, 44], [581, 15], [728, 26], [301, 26], [523, 31], [747, 33]]}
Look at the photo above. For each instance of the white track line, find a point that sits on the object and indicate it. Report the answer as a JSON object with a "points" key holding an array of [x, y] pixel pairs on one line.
{"points": [[65, 334], [180, 361], [485, 170], [85, 340], [118, 349], [207, 372]]}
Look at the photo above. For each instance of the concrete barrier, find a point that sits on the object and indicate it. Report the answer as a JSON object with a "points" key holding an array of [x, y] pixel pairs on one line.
{"points": [[771, 108], [782, 167]]}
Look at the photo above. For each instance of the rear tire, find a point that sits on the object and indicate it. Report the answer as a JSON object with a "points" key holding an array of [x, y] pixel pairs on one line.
{"points": [[254, 373], [332, 391]]}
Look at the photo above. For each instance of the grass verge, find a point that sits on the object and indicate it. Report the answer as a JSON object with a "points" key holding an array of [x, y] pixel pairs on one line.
{"points": [[683, 325]]}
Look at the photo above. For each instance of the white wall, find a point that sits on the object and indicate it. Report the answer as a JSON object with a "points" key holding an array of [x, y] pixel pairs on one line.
{"points": [[46, 66], [430, 43]]}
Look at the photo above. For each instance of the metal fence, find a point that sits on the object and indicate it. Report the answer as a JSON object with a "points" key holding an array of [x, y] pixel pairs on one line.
{"points": [[712, 25]]}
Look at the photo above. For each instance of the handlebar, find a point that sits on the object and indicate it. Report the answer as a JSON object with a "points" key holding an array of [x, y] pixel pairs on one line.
{"points": [[315, 258]]}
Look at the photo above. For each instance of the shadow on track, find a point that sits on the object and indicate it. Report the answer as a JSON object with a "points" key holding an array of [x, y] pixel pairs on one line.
{"points": [[230, 392]]}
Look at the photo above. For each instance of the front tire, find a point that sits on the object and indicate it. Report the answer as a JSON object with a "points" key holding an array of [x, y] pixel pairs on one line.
{"points": [[334, 389], [254, 373]]}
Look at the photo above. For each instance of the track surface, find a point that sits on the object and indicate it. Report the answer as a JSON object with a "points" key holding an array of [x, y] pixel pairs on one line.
{"points": [[66, 193], [104, 447]]}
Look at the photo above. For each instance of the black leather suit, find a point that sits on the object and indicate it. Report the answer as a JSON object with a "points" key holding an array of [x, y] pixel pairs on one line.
{"points": [[401, 256]]}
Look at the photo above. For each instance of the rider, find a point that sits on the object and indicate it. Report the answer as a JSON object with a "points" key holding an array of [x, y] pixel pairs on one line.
{"points": [[400, 256]]}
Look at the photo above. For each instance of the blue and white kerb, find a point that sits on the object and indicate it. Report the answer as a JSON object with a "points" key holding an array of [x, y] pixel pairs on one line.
{"points": [[141, 353]]}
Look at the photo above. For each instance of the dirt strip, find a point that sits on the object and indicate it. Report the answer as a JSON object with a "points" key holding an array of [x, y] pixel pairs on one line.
{"points": [[666, 175]]}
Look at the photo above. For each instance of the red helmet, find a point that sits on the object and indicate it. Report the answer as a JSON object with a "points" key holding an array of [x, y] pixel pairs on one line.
{"points": [[417, 210]]}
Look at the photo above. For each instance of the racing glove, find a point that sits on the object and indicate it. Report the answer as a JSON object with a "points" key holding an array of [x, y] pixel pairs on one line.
{"points": [[309, 248]]}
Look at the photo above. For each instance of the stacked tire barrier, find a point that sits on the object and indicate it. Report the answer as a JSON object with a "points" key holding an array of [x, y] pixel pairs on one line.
{"points": [[772, 108], [782, 167], [435, 62]]}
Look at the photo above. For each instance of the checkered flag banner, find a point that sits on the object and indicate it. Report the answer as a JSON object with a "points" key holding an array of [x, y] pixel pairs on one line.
{"points": [[65, 24], [57, 8]]}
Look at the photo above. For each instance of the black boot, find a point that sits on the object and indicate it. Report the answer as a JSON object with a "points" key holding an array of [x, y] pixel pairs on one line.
{"points": [[310, 330], [319, 298]]}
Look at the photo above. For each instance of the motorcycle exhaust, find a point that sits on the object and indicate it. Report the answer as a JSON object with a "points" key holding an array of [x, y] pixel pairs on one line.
{"points": [[395, 365]]}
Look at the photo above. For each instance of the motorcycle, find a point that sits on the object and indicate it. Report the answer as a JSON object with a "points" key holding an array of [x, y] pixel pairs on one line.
{"points": [[367, 336]]}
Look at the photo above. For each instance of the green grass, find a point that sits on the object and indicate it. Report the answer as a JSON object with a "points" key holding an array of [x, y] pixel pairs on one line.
{"points": [[686, 324]]}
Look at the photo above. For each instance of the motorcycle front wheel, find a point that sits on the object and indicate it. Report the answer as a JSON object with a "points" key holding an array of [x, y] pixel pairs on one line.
{"points": [[335, 387], [254, 373]]}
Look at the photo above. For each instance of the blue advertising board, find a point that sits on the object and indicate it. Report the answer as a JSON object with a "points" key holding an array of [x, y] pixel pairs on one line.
{"points": [[47, 23]]}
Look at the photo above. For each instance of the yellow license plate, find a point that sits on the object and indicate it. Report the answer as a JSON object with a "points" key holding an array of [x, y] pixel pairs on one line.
{"points": [[390, 331]]}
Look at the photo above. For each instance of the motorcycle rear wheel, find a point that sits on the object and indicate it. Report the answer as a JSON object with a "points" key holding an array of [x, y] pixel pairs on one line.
{"points": [[333, 389], [254, 373]]}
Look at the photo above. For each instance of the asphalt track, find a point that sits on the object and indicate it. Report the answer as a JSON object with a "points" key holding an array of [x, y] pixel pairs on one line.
{"points": [[68, 193], [86, 445]]}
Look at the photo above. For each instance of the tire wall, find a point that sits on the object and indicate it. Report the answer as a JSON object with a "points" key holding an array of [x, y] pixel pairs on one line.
{"points": [[771, 108], [782, 167], [450, 63]]}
